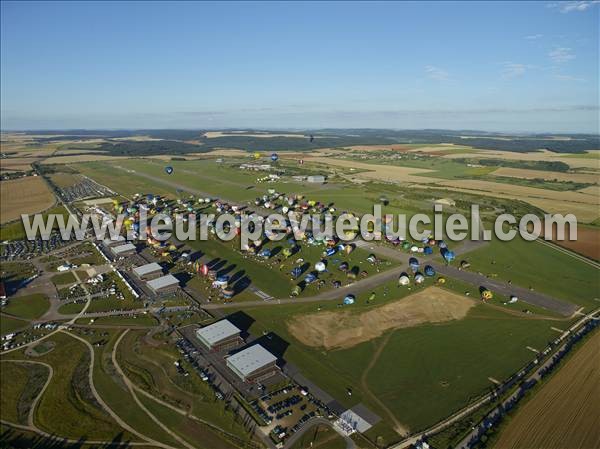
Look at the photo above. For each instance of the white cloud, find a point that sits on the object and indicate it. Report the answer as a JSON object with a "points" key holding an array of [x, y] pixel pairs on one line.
{"points": [[561, 54], [570, 6], [436, 73], [568, 78], [514, 70], [533, 37]]}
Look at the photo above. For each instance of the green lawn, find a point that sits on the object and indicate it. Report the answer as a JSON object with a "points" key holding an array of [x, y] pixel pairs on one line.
{"points": [[9, 325], [531, 264], [12, 383], [136, 320], [411, 374], [80, 416], [320, 437], [29, 307], [71, 308], [63, 278]]}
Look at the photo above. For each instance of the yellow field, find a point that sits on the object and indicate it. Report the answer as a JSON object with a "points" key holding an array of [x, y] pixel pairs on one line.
{"points": [[547, 175], [345, 329], [81, 158], [389, 173], [17, 163], [584, 204], [565, 412], [543, 155], [23, 196]]}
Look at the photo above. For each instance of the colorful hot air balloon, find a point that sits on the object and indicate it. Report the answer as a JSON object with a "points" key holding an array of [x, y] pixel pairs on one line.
{"points": [[429, 270], [486, 294], [320, 267], [419, 278], [448, 255], [349, 299], [403, 279], [169, 170], [274, 157]]}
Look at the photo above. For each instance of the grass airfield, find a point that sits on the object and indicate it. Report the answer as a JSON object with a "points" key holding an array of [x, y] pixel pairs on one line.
{"points": [[411, 376]]}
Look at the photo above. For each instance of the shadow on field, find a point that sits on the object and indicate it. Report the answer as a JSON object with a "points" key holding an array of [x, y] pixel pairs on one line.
{"points": [[19, 439]]}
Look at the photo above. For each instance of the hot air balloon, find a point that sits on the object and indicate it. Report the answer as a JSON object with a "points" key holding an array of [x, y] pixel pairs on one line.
{"points": [[256, 155], [403, 279], [296, 272], [320, 267], [349, 299], [169, 170], [419, 278], [310, 278], [344, 266], [441, 280], [427, 250], [265, 253], [372, 296], [274, 157], [228, 293], [296, 291], [486, 294], [413, 263], [448, 255], [465, 264], [349, 248], [429, 270], [406, 245], [330, 251]]}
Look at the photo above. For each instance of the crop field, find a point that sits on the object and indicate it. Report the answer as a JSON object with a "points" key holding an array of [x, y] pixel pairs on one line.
{"points": [[584, 206], [587, 160], [23, 196], [548, 175], [561, 414], [587, 243]]}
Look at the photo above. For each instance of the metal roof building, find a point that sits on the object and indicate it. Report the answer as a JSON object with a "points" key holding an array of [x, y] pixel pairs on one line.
{"points": [[220, 335], [253, 364], [148, 271], [163, 284], [123, 250], [112, 242]]}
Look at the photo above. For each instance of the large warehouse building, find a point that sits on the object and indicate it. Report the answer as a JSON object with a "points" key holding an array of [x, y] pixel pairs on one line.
{"points": [[220, 336], [163, 285], [148, 271], [123, 250], [253, 364]]}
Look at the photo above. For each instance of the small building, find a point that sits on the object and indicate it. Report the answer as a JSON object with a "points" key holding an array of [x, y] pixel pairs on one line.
{"points": [[163, 285], [318, 179], [117, 240], [148, 271], [253, 364], [220, 336], [123, 250]]}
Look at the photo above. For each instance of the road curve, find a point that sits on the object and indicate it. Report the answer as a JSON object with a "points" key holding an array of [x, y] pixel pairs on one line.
{"points": [[309, 425], [137, 400], [110, 411]]}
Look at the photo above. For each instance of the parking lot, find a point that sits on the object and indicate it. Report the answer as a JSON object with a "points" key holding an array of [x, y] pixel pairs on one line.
{"points": [[84, 189], [25, 249]]}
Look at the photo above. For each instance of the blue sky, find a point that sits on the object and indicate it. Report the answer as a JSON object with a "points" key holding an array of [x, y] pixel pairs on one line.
{"points": [[518, 66]]}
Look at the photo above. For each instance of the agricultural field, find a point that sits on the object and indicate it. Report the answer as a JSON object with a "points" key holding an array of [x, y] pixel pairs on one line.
{"points": [[27, 195], [541, 421]]}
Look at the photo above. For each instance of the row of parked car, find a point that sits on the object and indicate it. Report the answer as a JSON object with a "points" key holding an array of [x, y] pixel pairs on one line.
{"points": [[28, 249]]}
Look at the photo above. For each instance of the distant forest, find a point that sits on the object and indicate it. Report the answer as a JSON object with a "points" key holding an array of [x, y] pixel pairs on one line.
{"points": [[174, 140]]}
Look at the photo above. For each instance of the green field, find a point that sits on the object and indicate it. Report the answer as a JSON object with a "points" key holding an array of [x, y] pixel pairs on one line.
{"points": [[71, 308], [12, 384], [9, 325], [320, 437], [63, 278], [29, 307], [16, 231], [423, 373], [136, 320], [531, 264]]}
